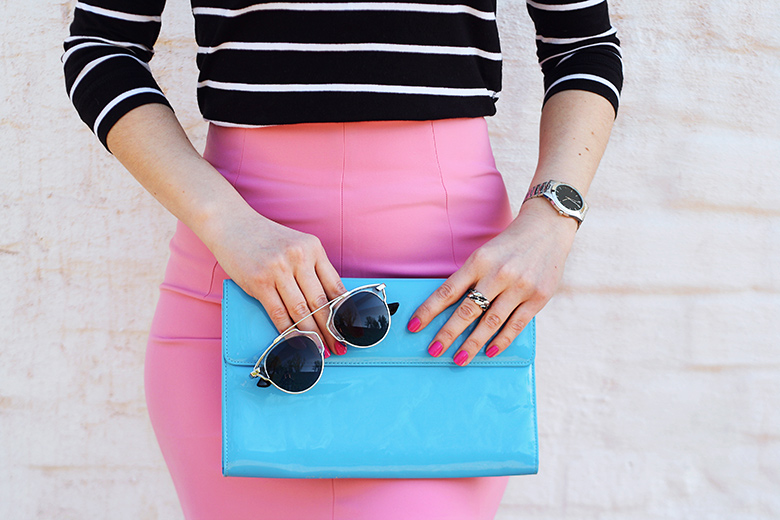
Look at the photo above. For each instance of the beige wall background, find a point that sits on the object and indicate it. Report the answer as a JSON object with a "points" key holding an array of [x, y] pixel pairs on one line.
{"points": [[658, 361]]}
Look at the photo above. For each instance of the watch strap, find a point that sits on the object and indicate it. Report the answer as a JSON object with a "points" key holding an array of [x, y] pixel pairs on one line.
{"points": [[545, 189], [538, 190]]}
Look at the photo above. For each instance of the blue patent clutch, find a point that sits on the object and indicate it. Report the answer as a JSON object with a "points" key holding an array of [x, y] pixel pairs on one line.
{"points": [[389, 411]]}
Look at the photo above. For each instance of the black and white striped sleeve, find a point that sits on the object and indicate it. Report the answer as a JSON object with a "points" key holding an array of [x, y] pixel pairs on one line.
{"points": [[106, 60], [577, 47]]}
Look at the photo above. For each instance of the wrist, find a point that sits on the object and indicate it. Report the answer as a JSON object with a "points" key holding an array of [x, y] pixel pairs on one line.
{"points": [[215, 217], [211, 205], [564, 198], [541, 210]]}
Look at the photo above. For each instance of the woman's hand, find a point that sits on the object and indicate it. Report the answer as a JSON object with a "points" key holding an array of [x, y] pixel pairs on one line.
{"points": [[518, 271], [286, 270]]}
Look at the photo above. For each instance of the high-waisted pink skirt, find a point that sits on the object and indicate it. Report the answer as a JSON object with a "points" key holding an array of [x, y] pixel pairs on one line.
{"points": [[387, 199]]}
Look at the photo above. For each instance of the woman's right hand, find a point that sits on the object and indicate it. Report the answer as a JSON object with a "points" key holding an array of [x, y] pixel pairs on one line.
{"points": [[286, 270]]}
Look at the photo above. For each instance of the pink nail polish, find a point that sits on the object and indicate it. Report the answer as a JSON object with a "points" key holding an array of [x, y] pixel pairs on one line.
{"points": [[435, 349], [492, 351], [340, 349], [461, 357], [413, 325], [326, 354]]}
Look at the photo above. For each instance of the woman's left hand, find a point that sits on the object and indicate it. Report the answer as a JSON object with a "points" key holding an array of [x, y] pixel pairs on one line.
{"points": [[518, 271]]}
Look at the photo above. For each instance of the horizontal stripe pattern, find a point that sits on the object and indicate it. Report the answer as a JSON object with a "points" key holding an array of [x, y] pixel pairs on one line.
{"points": [[351, 47], [587, 77], [94, 63], [268, 63], [347, 87], [330, 67], [118, 99], [76, 41], [264, 28], [577, 47], [574, 6], [567, 41], [346, 6], [129, 17], [566, 54]]}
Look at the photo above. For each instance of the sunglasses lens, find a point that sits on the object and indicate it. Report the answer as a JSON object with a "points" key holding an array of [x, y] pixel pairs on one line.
{"points": [[295, 364], [362, 319]]}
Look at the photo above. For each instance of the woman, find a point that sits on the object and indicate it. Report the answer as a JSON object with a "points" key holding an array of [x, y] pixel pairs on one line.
{"points": [[346, 139]]}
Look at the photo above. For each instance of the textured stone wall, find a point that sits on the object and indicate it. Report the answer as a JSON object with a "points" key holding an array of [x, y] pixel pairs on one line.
{"points": [[658, 361]]}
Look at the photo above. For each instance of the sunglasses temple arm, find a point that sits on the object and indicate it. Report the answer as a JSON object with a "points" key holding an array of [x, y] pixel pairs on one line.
{"points": [[332, 302], [256, 371], [315, 311]]}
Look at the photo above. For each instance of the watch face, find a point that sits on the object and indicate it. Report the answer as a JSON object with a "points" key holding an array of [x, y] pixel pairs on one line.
{"points": [[568, 197]]}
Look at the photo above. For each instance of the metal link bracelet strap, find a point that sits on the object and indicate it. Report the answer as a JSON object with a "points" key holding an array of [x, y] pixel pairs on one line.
{"points": [[537, 190]]}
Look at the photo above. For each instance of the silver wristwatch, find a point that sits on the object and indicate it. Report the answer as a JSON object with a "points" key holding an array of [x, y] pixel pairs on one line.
{"points": [[564, 197]]}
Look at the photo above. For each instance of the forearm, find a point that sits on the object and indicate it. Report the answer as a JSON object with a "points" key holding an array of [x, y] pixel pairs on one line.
{"points": [[151, 144], [286, 270], [519, 270], [573, 135]]}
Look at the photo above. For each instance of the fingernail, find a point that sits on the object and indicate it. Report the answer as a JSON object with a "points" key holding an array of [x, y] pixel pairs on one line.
{"points": [[492, 351], [461, 357], [413, 325], [435, 349], [326, 354], [340, 348]]}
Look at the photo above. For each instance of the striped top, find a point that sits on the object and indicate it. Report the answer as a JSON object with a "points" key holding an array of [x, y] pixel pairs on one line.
{"points": [[281, 62]]}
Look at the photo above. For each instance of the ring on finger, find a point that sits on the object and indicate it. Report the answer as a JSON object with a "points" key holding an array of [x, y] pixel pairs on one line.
{"points": [[479, 298]]}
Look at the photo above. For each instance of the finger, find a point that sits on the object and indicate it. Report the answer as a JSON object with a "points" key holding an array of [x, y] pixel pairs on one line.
{"points": [[275, 308], [297, 306], [334, 287], [464, 315], [517, 321], [488, 326], [315, 296], [329, 277], [448, 293]]}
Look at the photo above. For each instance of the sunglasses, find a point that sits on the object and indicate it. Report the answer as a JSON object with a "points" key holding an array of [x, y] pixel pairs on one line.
{"points": [[294, 361]]}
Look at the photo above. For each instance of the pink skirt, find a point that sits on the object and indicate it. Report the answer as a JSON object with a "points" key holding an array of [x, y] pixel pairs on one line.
{"points": [[387, 199]]}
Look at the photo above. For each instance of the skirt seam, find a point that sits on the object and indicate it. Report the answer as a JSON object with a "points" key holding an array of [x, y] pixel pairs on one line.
{"points": [[333, 499], [341, 196], [446, 196]]}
